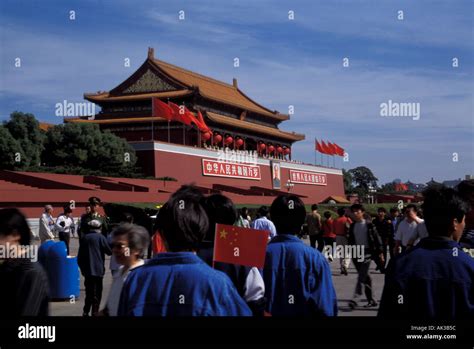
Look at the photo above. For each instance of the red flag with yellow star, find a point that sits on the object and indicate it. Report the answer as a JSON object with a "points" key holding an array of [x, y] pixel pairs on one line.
{"points": [[241, 246]]}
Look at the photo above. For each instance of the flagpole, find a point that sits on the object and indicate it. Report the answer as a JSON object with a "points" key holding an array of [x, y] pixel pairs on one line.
{"points": [[315, 152]]}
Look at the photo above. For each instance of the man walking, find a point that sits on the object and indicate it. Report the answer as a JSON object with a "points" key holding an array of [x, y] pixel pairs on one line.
{"points": [[341, 229], [363, 234], [263, 223], [406, 230], [91, 259], [385, 229], [313, 227]]}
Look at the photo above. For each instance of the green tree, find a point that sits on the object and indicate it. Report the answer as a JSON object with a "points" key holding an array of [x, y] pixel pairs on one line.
{"points": [[86, 147], [26, 131], [11, 154], [347, 178], [388, 188], [364, 178]]}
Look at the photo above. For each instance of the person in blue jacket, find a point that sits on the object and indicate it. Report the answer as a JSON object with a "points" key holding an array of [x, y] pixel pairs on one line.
{"points": [[178, 282], [247, 280], [435, 279], [298, 279], [91, 261]]}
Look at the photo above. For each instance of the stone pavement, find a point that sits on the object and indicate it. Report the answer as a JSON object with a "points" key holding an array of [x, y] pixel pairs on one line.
{"points": [[343, 284]]}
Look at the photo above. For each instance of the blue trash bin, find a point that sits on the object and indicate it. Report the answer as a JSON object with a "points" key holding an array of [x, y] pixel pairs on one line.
{"points": [[63, 272], [43, 253]]}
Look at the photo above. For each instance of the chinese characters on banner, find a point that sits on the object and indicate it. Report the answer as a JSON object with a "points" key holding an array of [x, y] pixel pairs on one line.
{"points": [[225, 169], [308, 177]]}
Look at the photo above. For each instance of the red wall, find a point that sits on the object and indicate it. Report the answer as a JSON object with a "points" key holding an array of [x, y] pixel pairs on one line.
{"points": [[188, 169]]}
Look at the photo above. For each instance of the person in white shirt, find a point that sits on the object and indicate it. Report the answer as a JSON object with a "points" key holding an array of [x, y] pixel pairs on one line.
{"points": [[420, 233], [129, 244], [65, 226], [407, 229], [263, 223], [46, 224]]}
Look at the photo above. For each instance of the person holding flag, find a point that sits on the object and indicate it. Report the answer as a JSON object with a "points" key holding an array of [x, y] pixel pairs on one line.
{"points": [[178, 282], [298, 279], [247, 279]]}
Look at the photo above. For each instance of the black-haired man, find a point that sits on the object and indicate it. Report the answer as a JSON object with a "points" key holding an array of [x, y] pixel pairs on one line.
{"points": [[313, 227], [466, 190], [407, 229], [297, 277], [363, 233], [263, 223], [385, 229], [435, 279]]}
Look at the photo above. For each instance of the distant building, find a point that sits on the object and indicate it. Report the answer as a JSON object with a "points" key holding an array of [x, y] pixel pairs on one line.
{"points": [[393, 198], [452, 183], [415, 187], [432, 182]]}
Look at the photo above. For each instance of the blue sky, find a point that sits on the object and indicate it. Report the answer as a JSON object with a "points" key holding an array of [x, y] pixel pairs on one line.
{"points": [[282, 63]]}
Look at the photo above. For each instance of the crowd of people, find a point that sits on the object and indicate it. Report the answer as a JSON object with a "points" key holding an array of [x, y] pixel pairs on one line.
{"points": [[421, 251]]}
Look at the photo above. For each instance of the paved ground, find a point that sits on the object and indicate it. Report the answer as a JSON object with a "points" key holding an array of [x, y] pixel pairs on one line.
{"points": [[344, 290]]}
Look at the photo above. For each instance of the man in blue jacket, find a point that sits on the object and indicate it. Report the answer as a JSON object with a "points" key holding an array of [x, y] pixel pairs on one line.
{"points": [[178, 282], [435, 279], [297, 277], [91, 259]]}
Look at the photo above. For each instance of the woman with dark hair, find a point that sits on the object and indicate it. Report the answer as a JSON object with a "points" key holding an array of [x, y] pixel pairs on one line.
{"points": [[24, 284], [248, 280], [177, 282]]}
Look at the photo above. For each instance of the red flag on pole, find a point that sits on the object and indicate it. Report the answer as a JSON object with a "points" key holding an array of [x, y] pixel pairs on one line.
{"points": [[161, 109], [334, 150], [326, 149], [184, 115], [241, 246], [319, 147], [202, 124], [340, 151]]}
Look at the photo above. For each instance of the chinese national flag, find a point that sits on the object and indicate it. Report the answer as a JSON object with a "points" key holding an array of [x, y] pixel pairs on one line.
{"points": [[319, 148], [340, 151], [326, 149], [161, 109], [184, 115], [241, 246], [202, 124], [334, 150]]}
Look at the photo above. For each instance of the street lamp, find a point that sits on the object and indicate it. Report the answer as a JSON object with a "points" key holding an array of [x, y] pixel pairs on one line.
{"points": [[371, 197], [289, 185]]}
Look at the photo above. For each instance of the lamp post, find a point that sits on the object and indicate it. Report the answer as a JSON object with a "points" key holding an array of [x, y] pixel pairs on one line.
{"points": [[371, 196], [289, 185]]}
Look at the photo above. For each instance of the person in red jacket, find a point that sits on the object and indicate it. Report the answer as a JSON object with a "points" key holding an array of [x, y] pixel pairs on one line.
{"points": [[329, 236], [341, 229]]}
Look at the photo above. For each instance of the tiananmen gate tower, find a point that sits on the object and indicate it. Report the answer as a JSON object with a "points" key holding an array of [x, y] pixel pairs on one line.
{"points": [[244, 155]]}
